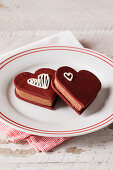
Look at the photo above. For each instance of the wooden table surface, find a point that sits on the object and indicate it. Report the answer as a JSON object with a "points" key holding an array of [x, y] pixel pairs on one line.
{"points": [[23, 22]]}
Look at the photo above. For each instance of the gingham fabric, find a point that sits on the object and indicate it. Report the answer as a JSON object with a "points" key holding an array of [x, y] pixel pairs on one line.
{"points": [[41, 143]]}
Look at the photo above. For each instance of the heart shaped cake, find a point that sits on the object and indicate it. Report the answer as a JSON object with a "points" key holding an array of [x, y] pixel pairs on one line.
{"points": [[36, 88], [77, 89]]}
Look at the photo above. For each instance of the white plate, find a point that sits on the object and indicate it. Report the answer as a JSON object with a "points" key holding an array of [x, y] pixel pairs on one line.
{"points": [[63, 121]]}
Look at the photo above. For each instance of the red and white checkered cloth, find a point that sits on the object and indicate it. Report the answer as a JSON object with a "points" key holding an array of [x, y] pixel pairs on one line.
{"points": [[41, 143]]}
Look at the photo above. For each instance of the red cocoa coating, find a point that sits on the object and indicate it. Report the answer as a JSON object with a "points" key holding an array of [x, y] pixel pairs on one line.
{"points": [[84, 86], [21, 85]]}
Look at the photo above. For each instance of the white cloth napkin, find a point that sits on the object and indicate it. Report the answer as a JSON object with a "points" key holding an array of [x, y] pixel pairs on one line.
{"points": [[65, 38], [60, 39]]}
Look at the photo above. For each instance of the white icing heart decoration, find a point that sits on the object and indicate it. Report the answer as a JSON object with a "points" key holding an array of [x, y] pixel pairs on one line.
{"points": [[68, 76], [43, 81]]}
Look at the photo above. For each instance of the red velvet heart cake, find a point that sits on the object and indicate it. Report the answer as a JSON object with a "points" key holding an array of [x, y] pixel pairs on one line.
{"points": [[36, 88], [77, 89]]}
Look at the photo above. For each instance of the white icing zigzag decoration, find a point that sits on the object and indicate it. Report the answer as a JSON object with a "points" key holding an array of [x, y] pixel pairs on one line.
{"points": [[68, 76], [43, 81]]}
